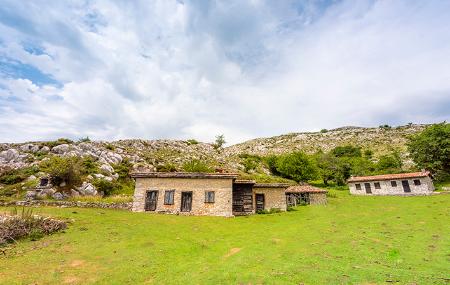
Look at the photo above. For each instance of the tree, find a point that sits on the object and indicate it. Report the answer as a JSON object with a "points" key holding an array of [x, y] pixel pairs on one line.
{"points": [[297, 166], [430, 149], [390, 163], [220, 141], [64, 169]]}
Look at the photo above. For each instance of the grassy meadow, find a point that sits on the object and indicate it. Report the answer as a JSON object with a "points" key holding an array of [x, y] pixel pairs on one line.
{"points": [[352, 240]]}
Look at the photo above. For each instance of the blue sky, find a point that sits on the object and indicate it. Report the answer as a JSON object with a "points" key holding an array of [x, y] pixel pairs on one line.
{"points": [[195, 69]]}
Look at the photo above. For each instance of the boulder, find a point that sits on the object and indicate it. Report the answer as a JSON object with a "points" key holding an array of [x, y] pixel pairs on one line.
{"points": [[26, 147], [31, 195], [107, 168], [74, 193], [45, 149], [87, 189], [47, 192], [61, 149], [58, 196], [9, 155]]}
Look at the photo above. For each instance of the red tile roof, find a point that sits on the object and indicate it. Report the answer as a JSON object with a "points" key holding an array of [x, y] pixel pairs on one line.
{"points": [[389, 176], [304, 189]]}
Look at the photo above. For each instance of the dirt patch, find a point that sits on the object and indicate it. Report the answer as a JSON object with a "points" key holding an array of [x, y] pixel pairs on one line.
{"points": [[232, 251], [76, 263], [71, 280]]}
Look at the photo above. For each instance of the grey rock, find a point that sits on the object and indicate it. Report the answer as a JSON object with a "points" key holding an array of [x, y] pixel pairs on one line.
{"points": [[45, 149], [9, 155], [31, 195], [87, 189], [61, 149], [107, 168], [58, 196]]}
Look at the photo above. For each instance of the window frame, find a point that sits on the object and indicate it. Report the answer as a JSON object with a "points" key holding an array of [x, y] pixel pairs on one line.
{"points": [[393, 183], [358, 186], [208, 197], [167, 195], [417, 182], [377, 185]]}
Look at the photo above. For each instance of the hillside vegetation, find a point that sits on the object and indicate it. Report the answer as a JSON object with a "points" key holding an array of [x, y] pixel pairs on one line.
{"points": [[80, 166]]}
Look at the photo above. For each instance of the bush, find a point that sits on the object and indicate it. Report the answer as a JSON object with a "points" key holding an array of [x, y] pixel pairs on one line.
{"points": [[196, 165], [23, 224], [385, 127], [191, 142], [57, 142], [271, 162], [15, 176], [110, 146], [324, 131], [123, 169], [249, 161], [347, 151], [106, 187], [219, 142], [86, 139], [64, 169]]}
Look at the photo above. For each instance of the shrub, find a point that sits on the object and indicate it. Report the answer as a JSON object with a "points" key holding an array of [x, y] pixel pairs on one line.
{"points": [[86, 139], [196, 165], [250, 162], [89, 166], [123, 169], [271, 162], [15, 176], [57, 142], [385, 127], [64, 169], [110, 146], [347, 150], [105, 186], [323, 130], [191, 142]]}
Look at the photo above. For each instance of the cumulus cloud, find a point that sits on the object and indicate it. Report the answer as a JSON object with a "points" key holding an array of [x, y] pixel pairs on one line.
{"points": [[195, 69]]}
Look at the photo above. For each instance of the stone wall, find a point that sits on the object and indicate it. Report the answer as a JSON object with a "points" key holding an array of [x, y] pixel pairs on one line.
{"points": [[273, 197], [68, 204], [426, 187], [318, 198], [222, 188]]}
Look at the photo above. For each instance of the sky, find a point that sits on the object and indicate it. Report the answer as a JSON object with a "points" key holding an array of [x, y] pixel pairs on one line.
{"points": [[194, 69]]}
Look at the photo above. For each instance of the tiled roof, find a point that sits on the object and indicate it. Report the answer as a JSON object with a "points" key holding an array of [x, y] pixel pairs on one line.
{"points": [[389, 176], [271, 185], [182, 175], [242, 181], [304, 189]]}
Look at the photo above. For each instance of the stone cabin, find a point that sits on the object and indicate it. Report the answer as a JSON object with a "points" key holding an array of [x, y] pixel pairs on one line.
{"points": [[216, 194], [405, 184]]}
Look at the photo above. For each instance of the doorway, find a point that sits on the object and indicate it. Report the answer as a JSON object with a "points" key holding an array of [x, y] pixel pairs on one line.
{"points": [[186, 201], [405, 185], [259, 202], [368, 189], [151, 199]]}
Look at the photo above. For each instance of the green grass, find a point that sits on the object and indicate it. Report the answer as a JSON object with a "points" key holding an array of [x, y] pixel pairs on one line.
{"points": [[352, 240]]}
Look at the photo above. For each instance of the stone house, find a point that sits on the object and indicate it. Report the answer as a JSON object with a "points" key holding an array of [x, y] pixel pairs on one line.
{"points": [[214, 194], [405, 184]]}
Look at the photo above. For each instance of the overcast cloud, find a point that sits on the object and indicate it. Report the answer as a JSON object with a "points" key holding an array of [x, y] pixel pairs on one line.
{"points": [[195, 69]]}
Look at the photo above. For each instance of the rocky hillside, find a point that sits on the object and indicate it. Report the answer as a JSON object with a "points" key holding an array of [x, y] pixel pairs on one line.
{"points": [[153, 155]]}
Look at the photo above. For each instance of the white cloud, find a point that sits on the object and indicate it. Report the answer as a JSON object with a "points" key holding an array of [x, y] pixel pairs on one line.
{"points": [[171, 70]]}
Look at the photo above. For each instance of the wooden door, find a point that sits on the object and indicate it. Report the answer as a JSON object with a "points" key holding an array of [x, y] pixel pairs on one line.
{"points": [[259, 202], [186, 201], [151, 200], [405, 185], [368, 189]]}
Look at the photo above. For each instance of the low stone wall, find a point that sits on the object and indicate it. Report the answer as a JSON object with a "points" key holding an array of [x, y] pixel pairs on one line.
{"points": [[318, 198], [68, 204]]}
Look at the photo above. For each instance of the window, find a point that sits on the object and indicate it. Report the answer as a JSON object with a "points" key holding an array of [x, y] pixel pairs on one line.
{"points": [[394, 183], [209, 196], [416, 182], [358, 186], [168, 197], [377, 185]]}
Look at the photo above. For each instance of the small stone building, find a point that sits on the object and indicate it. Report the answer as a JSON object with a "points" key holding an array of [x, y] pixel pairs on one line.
{"points": [[305, 195], [214, 194], [405, 184]]}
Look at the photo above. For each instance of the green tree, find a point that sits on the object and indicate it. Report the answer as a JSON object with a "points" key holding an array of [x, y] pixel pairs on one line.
{"points": [[431, 149], [63, 169], [219, 142], [390, 163], [297, 166]]}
